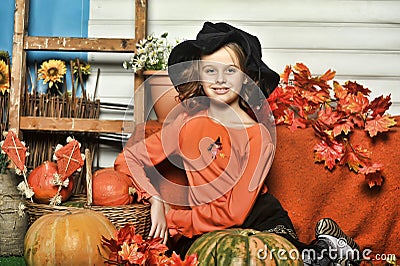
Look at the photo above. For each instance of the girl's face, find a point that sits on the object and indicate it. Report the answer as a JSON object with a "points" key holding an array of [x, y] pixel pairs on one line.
{"points": [[221, 76]]}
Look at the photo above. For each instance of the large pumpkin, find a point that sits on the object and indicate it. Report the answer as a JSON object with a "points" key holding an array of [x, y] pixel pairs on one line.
{"points": [[111, 188], [244, 247], [68, 238], [41, 181]]}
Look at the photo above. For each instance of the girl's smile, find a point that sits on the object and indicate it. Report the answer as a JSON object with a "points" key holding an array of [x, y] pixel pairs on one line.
{"points": [[221, 78]]}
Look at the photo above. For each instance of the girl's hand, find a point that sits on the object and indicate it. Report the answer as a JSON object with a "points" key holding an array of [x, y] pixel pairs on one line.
{"points": [[159, 226]]}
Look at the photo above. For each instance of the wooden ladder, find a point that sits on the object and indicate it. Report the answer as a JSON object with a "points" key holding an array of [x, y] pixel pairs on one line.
{"points": [[23, 42]]}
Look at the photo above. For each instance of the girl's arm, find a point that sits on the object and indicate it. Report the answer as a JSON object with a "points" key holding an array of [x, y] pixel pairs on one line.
{"points": [[150, 152], [232, 208], [147, 153]]}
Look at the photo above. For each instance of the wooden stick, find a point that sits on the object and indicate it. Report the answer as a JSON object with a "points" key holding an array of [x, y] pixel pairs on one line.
{"points": [[81, 79], [71, 65], [96, 85]]}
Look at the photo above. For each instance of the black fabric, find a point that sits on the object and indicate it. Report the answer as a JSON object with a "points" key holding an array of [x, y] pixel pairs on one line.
{"points": [[266, 215], [212, 37]]}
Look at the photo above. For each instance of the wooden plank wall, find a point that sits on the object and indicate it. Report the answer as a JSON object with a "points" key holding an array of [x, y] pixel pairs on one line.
{"points": [[359, 39]]}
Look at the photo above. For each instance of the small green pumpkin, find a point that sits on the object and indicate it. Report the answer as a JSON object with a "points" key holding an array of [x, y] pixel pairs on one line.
{"points": [[244, 247]]}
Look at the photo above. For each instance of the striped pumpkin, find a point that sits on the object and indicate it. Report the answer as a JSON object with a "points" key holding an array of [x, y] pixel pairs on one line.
{"points": [[68, 238], [244, 247]]}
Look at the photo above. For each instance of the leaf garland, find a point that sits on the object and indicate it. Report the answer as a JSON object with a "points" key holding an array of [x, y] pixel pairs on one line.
{"points": [[334, 111]]}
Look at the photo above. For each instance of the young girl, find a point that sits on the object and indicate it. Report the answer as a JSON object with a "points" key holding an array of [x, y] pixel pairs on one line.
{"points": [[223, 136]]}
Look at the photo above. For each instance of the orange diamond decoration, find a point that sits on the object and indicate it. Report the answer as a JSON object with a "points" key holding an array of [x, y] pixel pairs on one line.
{"points": [[69, 159], [15, 150]]}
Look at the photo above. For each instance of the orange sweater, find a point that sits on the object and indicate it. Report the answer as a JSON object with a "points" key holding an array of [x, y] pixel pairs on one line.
{"points": [[224, 177]]}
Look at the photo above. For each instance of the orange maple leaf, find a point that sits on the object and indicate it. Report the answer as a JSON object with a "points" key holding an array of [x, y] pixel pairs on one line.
{"points": [[340, 92], [316, 96], [355, 157], [328, 153], [328, 75], [298, 123], [131, 254], [379, 124], [354, 103], [328, 116], [300, 67], [286, 73], [373, 174], [344, 126], [190, 260]]}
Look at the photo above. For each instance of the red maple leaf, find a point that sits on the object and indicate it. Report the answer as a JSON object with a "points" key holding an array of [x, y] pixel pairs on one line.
{"points": [[379, 124], [380, 105], [355, 88], [328, 153]]}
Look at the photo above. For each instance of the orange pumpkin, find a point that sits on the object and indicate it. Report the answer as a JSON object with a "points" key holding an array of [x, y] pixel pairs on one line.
{"points": [[111, 188], [68, 238], [41, 182]]}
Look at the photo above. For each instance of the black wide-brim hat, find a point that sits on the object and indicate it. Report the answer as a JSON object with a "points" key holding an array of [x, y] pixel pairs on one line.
{"points": [[211, 38]]}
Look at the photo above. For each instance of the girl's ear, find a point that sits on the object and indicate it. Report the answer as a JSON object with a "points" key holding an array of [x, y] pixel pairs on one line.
{"points": [[245, 81]]}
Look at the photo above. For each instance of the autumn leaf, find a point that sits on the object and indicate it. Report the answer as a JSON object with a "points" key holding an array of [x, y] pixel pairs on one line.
{"points": [[355, 88], [371, 168], [379, 124], [380, 105], [286, 73], [374, 179], [340, 92], [130, 253], [328, 116], [127, 233], [190, 260], [328, 75], [373, 174], [328, 153], [344, 126], [333, 112], [298, 123], [300, 67], [354, 103], [355, 157], [317, 97]]}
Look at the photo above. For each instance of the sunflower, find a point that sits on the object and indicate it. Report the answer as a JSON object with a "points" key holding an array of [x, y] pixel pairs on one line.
{"points": [[52, 71], [85, 68], [4, 81]]}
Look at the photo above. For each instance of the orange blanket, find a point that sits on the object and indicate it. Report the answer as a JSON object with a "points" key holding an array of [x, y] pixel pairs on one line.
{"points": [[309, 192]]}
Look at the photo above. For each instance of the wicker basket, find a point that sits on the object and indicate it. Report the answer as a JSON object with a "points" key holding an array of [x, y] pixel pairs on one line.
{"points": [[138, 213]]}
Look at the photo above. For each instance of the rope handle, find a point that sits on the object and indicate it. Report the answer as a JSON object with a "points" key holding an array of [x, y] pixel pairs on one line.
{"points": [[89, 189]]}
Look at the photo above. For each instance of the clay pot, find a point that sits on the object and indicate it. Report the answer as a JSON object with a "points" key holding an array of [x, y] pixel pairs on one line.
{"points": [[163, 93]]}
